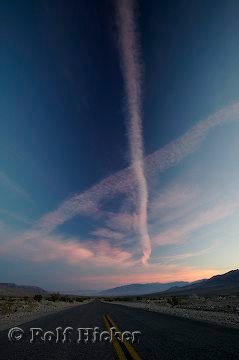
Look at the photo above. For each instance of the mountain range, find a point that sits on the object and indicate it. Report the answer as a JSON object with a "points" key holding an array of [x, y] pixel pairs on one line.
{"points": [[141, 289], [11, 289], [225, 284]]}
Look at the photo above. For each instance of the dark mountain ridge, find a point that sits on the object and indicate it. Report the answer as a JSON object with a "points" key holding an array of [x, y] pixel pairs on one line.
{"points": [[140, 289], [224, 284], [11, 289]]}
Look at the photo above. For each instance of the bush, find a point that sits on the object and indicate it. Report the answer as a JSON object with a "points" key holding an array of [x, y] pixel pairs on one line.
{"points": [[174, 301], [54, 297], [78, 299], [38, 297], [194, 297], [63, 298]]}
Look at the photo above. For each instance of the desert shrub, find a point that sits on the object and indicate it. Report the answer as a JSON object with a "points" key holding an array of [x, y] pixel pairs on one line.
{"points": [[63, 298], [124, 298], [85, 298], [6, 307], [78, 299], [194, 297], [54, 297], [32, 305], [67, 299], [38, 297], [169, 301], [174, 301]]}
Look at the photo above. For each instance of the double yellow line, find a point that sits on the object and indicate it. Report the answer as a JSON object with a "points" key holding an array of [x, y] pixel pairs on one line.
{"points": [[124, 349]]}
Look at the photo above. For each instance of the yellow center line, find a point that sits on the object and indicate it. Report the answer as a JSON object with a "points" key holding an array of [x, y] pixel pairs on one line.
{"points": [[129, 347], [119, 351]]}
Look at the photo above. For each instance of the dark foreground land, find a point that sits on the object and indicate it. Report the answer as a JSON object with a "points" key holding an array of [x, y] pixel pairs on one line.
{"points": [[163, 336]]}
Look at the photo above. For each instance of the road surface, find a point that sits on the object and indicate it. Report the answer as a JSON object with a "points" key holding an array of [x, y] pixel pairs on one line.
{"points": [[162, 336]]}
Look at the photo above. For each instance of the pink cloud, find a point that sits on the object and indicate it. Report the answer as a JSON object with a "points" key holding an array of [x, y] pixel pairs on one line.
{"points": [[121, 221], [89, 202], [175, 196], [45, 248], [130, 57], [51, 248], [108, 234]]}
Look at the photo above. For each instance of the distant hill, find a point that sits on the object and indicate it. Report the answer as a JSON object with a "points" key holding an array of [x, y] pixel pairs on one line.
{"points": [[11, 289], [140, 289], [225, 284], [81, 292]]}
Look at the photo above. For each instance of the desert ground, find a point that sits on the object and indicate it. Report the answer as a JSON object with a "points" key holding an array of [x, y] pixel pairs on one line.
{"points": [[222, 310], [17, 310]]}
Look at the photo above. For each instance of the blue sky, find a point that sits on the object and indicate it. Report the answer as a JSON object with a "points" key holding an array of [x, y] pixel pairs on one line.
{"points": [[70, 197]]}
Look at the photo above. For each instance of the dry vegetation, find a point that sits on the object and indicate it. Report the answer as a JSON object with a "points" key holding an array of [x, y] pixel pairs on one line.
{"points": [[10, 305], [16, 310], [227, 304]]}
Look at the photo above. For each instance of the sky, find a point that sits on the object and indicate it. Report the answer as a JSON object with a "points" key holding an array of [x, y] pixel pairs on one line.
{"points": [[118, 142]]}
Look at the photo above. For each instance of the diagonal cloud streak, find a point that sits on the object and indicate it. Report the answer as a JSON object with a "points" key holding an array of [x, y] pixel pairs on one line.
{"points": [[132, 76], [89, 202]]}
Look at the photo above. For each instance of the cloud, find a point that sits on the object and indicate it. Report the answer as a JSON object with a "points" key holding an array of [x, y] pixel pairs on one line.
{"points": [[95, 263], [174, 197], [15, 216], [130, 57], [11, 186], [180, 233], [39, 247], [108, 234], [187, 255], [175, 151], [69, 251], [89, 203], [124, 222]]}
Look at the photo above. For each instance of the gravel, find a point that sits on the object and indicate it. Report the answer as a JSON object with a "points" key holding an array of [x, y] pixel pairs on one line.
{"points": [[221, 318], [43, 308]]}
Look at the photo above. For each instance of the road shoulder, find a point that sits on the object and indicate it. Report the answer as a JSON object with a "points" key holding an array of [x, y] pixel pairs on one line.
{"points": [[219, 318]]}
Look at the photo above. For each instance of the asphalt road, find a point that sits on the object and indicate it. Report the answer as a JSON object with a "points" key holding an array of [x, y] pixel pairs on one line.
{"points": [[162, 336]]}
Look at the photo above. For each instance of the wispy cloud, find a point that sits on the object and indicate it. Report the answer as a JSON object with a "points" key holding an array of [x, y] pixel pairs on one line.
{"points": [[124, 222], [176, 196], [58, 248], [107, 234], [180, 232], [187, 255], [175, 151], [12, 187], [89, 203], [15, 216], [129, 49]]}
